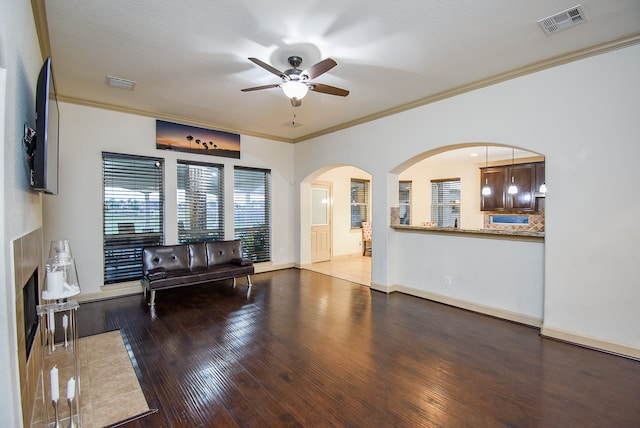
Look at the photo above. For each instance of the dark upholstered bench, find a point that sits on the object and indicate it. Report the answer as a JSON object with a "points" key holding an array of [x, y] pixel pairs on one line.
{"points": [[169, 266]]}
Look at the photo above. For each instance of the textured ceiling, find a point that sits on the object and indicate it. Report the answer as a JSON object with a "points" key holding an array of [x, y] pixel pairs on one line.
{"points": [[189, 58]]}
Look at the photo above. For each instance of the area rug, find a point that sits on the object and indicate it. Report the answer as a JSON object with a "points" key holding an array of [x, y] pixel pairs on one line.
{"points": [[110, 391]]}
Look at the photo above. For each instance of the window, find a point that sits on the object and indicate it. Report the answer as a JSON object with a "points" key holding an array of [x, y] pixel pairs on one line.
{"points": [[133, 211], [359, 202], [200, 202], [445, 202], [405, 202], [252, 212]]}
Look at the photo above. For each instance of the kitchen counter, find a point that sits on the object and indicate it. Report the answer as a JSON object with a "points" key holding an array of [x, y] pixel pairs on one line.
{"points": [[480, 233]]}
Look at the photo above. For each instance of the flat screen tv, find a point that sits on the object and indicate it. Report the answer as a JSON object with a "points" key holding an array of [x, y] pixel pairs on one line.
{"points": [[44, 160]]}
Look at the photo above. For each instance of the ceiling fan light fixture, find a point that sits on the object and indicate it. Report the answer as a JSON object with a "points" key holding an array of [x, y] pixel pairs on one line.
{"points": [[294, 89]]}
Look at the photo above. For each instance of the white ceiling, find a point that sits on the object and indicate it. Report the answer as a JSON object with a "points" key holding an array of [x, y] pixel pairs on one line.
{"points": [[189, 58]]}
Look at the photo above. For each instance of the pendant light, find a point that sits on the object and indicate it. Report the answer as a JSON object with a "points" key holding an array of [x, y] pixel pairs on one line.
{"points": [[513, 189], [486, 190]]}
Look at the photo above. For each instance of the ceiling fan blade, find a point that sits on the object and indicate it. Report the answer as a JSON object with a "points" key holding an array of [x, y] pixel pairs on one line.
{"points": [[319, 68], [267, 67], [327, 89], [257, 88]]}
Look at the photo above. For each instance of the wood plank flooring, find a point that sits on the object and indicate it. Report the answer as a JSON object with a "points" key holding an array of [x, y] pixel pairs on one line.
{"points": [[309, 350]]}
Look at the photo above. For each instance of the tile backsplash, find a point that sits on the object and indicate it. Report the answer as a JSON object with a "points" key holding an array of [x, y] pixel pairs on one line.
{"points": [[536, 223]]}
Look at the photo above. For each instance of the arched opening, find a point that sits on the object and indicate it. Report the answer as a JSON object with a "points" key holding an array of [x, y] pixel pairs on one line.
{"points": [[335, 202], [465, 179], [486, 259]]}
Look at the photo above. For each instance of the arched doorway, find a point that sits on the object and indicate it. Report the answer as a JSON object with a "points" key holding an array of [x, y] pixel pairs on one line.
{"points": [[338, 254]]}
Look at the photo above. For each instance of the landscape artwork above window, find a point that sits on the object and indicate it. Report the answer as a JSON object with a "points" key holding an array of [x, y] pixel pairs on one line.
{"points": [[192, 139]]}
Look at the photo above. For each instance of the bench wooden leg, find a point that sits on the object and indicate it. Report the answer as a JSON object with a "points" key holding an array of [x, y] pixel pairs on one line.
{"points": [[152, 302]]}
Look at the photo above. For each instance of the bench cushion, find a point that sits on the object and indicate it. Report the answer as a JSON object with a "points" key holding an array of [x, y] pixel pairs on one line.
{"points": [[221, 252], [170, 257], [168, 266]]}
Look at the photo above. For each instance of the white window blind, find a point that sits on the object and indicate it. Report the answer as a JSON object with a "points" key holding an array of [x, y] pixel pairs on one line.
{"points": [[445, 202], [200, 201], [404, 199], [133, 211], [252, 212], [359, 202]]}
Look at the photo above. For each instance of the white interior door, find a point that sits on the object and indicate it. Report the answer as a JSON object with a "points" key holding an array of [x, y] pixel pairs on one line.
{"points": [[320, 223]]}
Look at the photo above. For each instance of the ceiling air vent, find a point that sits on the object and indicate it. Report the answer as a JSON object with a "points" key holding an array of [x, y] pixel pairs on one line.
{"points": [[563, 20], [118, 82]]}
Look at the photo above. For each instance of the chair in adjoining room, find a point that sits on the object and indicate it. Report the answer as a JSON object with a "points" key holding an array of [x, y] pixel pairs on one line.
{"points": [[366, 237]]}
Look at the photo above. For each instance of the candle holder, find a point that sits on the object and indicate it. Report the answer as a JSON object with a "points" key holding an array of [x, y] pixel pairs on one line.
{"points": [[62, 354], [52, 340], [71, 422], [61, 279], [57, 416]]}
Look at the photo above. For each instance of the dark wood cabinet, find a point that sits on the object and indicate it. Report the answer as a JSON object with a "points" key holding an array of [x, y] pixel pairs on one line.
{"points": [[539, 179], [524, 176], [496, 179]]}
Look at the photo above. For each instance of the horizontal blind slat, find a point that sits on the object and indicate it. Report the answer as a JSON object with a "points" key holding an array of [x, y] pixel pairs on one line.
{"points": [[252, 212], [133, 213], [200, 202]]}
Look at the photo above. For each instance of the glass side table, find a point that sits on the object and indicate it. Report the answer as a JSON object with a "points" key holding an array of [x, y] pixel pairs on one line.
{"points": [[60, 366]]}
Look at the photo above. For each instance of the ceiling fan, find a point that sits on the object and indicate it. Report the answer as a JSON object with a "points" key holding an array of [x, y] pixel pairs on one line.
{"points": [[296, 82]]}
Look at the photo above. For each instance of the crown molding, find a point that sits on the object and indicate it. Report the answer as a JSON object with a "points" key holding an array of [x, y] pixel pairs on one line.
{"points": [[616, 44], [42, 29], [169, 118]]}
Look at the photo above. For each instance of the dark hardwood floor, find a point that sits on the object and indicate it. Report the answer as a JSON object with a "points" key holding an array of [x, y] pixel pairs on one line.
{"points": [[308, 350]]}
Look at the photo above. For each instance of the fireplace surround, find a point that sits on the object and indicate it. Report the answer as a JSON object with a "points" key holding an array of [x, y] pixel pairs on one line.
{"points": [[27, 261], [30, 302]]}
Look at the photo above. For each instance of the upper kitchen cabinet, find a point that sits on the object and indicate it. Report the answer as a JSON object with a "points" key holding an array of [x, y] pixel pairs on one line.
{"points": [[524, 176], [540, 180], [496, 179]]}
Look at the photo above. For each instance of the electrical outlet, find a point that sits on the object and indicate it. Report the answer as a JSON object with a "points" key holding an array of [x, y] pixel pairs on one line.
{"points": [[447, 280]]}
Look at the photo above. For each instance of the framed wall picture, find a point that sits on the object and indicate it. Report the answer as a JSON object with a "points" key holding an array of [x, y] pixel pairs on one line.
{"points": [[192, 139]]}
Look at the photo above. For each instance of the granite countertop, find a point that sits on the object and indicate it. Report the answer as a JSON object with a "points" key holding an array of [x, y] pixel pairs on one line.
{"points": [[477, 232]]}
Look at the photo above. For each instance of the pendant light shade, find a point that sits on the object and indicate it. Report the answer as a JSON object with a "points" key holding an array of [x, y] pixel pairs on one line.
{"points": [[513, 189], [486, 189]]}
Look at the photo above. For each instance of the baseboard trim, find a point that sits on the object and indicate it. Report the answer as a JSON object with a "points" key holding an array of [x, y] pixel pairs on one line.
{"points": [[268, 267], [463, 304], [591, 342], [111, 291]]}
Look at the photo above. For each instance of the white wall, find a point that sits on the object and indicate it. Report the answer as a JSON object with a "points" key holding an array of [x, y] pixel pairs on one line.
{"points": [[487, 274], [20, 208], [76, 212], [583, 117]]}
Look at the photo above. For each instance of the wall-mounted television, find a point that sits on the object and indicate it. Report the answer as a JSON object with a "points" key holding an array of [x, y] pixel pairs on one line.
{"points": [[44, 158]]}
